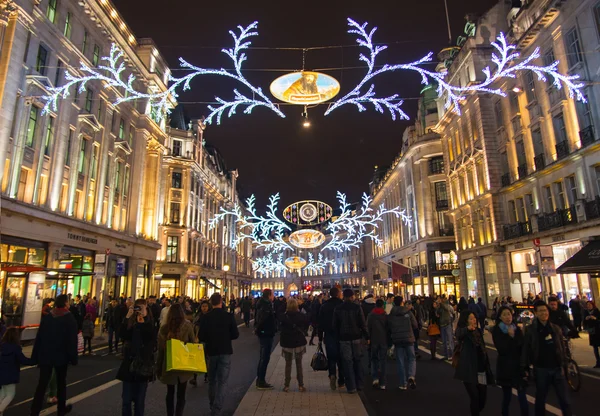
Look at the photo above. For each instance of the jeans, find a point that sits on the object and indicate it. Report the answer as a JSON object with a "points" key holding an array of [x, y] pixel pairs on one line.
{"points": [[378, 357], [507, 396], [544, 378], [334, 357], [266, 344], [478, 395], [134, 393], [111, 332], [218, 374], [289, 357], [352, 352], [40, 391], [171, 409], [447, 341], [406, 363], [7, 393]]}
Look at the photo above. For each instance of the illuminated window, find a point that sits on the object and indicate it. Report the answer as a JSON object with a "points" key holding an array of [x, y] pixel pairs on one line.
{"points": [[31, 126], [574, 53], [49, 136], [68, 25], [22, 184], [51, 11], [175, 212], [172, 249]]}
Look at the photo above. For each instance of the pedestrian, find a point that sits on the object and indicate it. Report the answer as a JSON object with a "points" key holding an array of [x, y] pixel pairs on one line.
{"points": [[294, 326], [217, 330], [351, 328], [473, 367], [446, 314], [11, 359], [55, 348], [433, 329], [389, 303], [164, 312], [328, 334], [577, 311], [178, 328], [508, 340], [87, 330], [205, 308], [378, 329], [591, 323], [315, 308], [137, 367], [265, 327], [483, 313], [246, 311], [543, 349], [402, 323], [368, 304]]}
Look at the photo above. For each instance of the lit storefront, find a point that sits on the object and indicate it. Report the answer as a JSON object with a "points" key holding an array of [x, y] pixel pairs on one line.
{"points": [[492, 283], [524, 264], [568, 285], [471, 276]]}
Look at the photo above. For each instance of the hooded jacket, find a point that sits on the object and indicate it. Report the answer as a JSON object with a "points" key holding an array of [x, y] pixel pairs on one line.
{"points": [[402, 324], [56, 340], [367, 305], [377, 326]]}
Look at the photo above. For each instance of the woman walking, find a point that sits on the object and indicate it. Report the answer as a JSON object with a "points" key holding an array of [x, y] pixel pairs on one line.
{"points": [[11, 359], [176, 327], [137, 367], [508, 340], [591, 323], [473, 366], [205, 308], [294, 326], [433, 329]]}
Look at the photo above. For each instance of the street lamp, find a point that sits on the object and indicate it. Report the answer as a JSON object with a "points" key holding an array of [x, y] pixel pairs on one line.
{"points": [[225, 270]]}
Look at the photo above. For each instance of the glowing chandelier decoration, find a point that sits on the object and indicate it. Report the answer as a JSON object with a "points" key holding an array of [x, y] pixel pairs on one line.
{"points": [[319, 265], [505, 60]]}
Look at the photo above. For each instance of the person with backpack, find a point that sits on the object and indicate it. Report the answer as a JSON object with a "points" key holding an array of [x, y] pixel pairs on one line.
{"points": [[402, 323], [265, 326], [294, 326], [11, 360], [378, 329]]}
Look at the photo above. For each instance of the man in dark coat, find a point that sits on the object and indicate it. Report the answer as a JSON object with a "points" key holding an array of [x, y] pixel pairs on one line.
{"points": [[313, 314], [265, 325], [246, 310], [54, 349], [332, 343]]}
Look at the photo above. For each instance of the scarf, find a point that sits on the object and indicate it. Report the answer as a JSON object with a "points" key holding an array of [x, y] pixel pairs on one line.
{"points": [[504, 328]]}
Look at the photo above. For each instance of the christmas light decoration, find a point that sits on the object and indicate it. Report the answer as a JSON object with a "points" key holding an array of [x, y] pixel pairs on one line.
{"points": [[160, 101], [265, 232], [506, 67], [319, 265], [349, 229], [265, 265]]}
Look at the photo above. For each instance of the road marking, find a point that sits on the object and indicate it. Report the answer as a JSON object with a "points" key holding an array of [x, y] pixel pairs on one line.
{"points": [[96, 349], [82, 396], [530, 399], [242, 324]]}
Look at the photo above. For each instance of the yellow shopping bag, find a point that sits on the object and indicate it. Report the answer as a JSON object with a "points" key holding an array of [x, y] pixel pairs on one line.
{"points": [[185, 357]]}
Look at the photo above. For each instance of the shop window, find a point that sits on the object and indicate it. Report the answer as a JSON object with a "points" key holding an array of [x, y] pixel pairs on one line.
{"points": [[491, 279], [471, 278], [172, 249], [13, 301]]}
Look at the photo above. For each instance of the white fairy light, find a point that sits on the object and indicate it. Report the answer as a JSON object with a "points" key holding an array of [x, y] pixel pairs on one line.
{"points": [[160, 101], [506, 67], [349, 230], [267, 264], [318, 265]]}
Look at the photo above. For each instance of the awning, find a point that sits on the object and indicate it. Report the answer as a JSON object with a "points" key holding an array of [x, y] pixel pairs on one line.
{"points": [[586, 260], [399, 270], [210, 283]]}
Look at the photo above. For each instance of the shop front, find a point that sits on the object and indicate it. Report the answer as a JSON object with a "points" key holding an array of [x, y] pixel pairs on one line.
{"points": [[75, 260], [471, 277], [525, 278], [168, 285]]}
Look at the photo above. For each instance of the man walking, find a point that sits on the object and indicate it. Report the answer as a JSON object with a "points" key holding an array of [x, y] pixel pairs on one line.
{"points": [[377, 326], [332, 344], [54, 349], [217, 331], [402, 323], [265, 326], [446, 313], [350, 325], [543, 348]]}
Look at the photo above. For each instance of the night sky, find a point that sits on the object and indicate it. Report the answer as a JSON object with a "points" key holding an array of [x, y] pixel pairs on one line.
{"points": [[337, 152]]}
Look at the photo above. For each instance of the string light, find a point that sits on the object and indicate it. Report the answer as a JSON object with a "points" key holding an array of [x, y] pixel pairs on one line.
{"points": [[318, 265], [267, 264]]}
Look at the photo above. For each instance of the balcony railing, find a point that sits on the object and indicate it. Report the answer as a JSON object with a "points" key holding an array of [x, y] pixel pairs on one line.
{"points": [[446, 232], [587, 136], [539, 161], [558, 218], [592, 209], [522, 169], [441, 204], [516, 230], [505, 179], [562, 149]]}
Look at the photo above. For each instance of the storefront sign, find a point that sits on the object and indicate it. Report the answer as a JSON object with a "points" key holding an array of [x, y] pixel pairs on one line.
{"points": [[534, 272], [455, 272], [82, 238], [558, 238], [518, 246], [100, 258], [546, 252], [548, 268], [120, 269], [99, 270]]}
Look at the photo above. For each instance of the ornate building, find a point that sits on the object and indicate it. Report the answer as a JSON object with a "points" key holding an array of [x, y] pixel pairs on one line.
{"points": [[80, 185], [195, 260], [416, 182]]}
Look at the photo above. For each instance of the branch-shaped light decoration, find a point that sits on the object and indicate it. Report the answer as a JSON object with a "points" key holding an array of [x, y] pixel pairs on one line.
{"points": [[319, 265], [264, 231], [349, 229], [506, 67], [160, 101], [267, 264]]}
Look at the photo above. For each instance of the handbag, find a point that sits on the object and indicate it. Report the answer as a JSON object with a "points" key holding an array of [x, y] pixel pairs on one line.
{"points": [[185, 357], [142, 367], [456, 355], [319, 360], [433, 330]]}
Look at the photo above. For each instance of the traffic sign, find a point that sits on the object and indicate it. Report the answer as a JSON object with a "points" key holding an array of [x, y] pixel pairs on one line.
{"points": [[536, 242]]}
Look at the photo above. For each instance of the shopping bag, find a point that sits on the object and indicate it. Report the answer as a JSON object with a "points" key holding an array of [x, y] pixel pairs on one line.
{"points": [[79, 343], [433, 330], [185, 357], [319, 361]]}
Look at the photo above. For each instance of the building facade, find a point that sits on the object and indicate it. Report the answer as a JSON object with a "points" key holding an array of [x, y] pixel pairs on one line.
{"points": [[79, 202], [416, 182], [196, 260], [523, 169]]}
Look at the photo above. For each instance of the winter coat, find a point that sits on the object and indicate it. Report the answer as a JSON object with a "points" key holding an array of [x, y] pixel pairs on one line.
{"points": [[91, 309], [377, 326], [87, 328], [293, 330], [402, 323], [56, 340], [185, 334], [138, 345], [217, 329], [592, 326], [467, 370], [265, 324], [367, 306], [325, 321], [508, 365], [315, 308], [531, 345], [446, 314], [349, 322], [11, 359], [246, 306]]}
